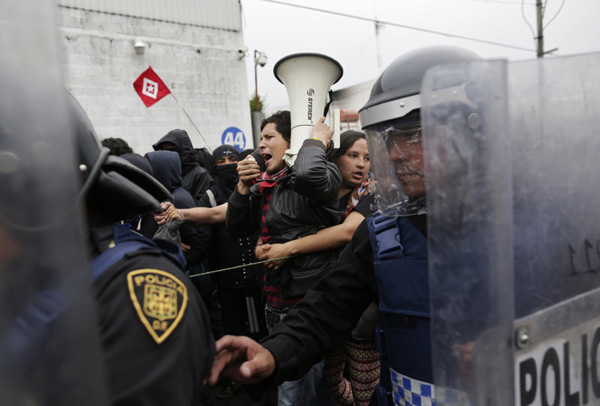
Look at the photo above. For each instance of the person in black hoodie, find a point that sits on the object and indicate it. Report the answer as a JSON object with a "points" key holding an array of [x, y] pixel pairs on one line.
{"points": [[238, 290], [195, 178], [166, 168]]}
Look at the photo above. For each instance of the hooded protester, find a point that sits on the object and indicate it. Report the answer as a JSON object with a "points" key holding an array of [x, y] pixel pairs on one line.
{"points": [[238, 289], [166, 168], [195, 178]]}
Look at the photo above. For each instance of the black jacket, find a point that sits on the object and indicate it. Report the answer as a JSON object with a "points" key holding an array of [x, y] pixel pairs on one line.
{"points": [[167, 170], [225, 251], [301, 205], [195, 178], [329, 311]]}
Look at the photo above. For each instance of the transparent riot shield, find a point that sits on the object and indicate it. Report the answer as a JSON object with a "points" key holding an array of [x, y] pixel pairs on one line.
{"points": [[512, 159], [49, 351]]}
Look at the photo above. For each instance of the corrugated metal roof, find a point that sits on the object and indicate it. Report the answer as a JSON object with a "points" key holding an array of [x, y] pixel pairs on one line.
{"points": [[221, 14]]}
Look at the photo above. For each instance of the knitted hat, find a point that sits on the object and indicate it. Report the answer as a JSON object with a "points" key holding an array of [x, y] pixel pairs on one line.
{"points": [[225, 150]]}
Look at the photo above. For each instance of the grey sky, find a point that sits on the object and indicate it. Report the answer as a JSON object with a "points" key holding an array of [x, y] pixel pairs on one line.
{"points": [[280, 30]]}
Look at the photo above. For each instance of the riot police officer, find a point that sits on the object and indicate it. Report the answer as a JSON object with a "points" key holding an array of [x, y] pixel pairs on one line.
{"points": [[154, 330], [129, 329], [385, 261]]}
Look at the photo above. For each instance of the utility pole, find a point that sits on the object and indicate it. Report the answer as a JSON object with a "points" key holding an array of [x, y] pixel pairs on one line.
{"points": [[540, 28], [378, 44]]}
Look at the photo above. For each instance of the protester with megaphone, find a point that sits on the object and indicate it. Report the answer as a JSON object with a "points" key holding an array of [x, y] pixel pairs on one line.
{"points": [[288, 203], [386, 260], [352, 373]]}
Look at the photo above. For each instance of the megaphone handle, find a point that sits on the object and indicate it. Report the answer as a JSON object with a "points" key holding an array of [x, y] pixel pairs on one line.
{"points": [[326, 109]]}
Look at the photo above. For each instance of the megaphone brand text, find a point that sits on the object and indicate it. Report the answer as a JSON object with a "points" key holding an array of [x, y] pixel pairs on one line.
{"points": [[310, 93]]}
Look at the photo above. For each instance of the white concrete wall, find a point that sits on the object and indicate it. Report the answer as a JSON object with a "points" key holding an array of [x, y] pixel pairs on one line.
{"points": [[200, 65]]}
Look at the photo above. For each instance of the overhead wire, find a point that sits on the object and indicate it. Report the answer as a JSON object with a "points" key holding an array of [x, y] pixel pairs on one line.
{"points": [[555, 15], [516, 2], [405, 26], [527, 22]]}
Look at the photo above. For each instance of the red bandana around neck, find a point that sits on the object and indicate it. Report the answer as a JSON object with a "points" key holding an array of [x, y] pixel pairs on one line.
{"points": [[267, 181]]}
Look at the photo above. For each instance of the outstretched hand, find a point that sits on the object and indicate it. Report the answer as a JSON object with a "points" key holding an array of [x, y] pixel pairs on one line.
{"points": [[241, 359]]}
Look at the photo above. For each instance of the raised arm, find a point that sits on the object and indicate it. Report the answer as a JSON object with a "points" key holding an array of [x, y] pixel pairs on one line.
{"points": [[314, 176]]}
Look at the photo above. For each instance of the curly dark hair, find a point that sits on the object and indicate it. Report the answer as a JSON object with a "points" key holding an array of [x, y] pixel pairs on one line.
{"points": [[117, 146]]}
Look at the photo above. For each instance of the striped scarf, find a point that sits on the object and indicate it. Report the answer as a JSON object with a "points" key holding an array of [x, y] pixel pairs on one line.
{"points": [[356, 196]]}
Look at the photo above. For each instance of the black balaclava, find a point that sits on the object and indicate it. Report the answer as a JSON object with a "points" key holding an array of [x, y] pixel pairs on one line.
{"points": [[226, 175]]}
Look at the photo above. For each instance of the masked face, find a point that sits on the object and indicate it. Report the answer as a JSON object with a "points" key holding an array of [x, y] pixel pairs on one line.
{"points": [[167, 146], [226, 171], [226, 160]]}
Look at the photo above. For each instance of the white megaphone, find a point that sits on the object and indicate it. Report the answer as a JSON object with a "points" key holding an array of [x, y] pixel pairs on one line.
{"points": [[307, 78]]}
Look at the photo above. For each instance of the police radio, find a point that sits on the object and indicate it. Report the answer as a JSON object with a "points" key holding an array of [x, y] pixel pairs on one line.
{"points": [[307, 78]]}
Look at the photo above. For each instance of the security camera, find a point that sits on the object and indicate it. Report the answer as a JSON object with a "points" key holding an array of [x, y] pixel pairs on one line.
{"points": [[139, 47], [261, 59], [243, 52]]}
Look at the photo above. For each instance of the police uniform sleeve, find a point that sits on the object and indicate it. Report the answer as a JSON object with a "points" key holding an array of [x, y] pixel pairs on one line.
{"points": [[322, 321], [155, 332], [366, 206]]}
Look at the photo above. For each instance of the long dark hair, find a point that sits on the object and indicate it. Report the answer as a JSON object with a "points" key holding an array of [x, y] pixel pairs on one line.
{"points": [[347, 140]]}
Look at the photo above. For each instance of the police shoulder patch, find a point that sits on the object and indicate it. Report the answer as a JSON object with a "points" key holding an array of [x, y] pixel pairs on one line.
{"points": [[160, 300]]}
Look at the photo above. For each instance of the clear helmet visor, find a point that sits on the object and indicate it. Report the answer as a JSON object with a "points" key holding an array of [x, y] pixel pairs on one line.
{"points": [[398, 167]]}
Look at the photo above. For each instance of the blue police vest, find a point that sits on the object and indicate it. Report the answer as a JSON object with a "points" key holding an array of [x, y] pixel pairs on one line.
{"points": [[404, 336]]}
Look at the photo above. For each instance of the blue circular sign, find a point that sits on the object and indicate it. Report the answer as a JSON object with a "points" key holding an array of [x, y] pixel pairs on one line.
{"points": [[234, 136]]}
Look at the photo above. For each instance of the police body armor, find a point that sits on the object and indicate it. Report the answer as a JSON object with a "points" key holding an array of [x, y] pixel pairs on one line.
{"points": [[403, 337]]}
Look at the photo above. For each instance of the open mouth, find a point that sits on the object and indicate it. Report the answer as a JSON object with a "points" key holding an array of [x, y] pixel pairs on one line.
{"points": [[266, 157], [358, 175]]}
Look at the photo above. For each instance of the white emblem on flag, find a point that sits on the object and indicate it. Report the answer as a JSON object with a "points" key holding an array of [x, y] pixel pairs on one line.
{"points": [[150, 88]]}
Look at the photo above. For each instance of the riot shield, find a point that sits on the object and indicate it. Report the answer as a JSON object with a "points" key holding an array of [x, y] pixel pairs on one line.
{"points": [[514, 237], [49, 351]]}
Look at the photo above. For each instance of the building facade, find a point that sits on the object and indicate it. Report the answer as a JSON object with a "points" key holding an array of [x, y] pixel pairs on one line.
{"points": [[195, 47]]}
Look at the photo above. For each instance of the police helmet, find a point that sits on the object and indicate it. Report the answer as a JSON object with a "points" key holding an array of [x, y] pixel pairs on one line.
{"points": [[392, 124], [112, 188]]}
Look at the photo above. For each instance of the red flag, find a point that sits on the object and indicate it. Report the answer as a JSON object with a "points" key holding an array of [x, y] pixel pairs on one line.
{"points": [[150, 87]]}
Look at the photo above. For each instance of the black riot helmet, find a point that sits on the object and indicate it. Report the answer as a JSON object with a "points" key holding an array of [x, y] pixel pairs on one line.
{"points": [[112, 188], [392, 124]]}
